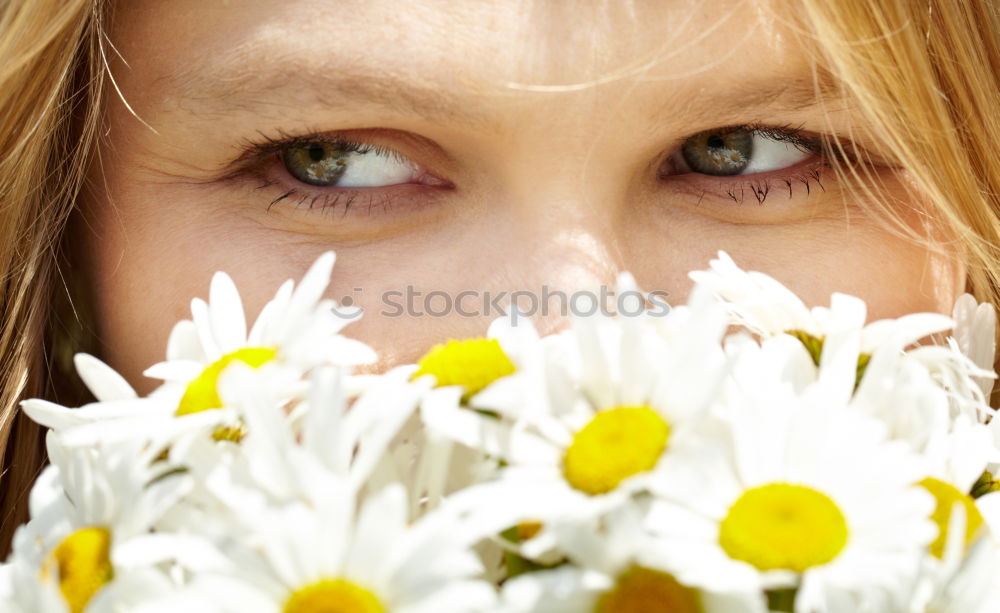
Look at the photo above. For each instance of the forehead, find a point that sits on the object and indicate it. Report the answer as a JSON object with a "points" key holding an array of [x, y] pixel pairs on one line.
{"points": [[500, 50]]}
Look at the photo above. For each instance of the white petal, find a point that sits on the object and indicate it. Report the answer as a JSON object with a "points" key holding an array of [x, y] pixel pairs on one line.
{"points": [[202, 317], [380, 524], [175, 370], [184, 343], [102, 380], [229, 323]]}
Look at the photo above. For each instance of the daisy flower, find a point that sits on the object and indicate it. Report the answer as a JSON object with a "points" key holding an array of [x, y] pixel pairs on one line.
{"points": [[296, 329], [295, 332], [331, 557], [955, 462], [290, 325], [792, 491], [597, 407], [962, 579], [115, 399], [504, 363], [119, 415], [482, 367], [614, 567], [89, 544], [333, 440], [766, 307], [962, 368]]}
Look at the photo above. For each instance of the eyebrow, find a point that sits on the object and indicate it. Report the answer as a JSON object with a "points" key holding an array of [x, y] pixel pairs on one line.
{"points": [[775, 94], [275, 86]]}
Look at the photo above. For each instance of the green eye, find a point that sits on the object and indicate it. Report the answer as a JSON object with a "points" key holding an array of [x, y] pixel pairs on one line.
{"points": [[317, 164], [347, 164], [720, 152]]}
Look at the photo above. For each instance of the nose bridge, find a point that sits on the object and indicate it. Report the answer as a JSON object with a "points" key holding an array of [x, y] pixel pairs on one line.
{"points": [[557, 210], [567, 200], [566, 240]]}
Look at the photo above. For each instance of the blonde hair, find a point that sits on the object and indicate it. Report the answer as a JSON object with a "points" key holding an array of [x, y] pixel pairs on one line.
{"points": [[50, 87], [926, 77]]}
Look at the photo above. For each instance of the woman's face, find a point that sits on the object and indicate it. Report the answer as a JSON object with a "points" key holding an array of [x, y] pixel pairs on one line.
{"points": [[470, 149]]}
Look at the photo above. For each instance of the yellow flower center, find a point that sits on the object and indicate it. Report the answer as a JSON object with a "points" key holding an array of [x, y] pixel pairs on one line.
{"points": [[202, 393], [233, 434], [643, 590], [472, 363], [527, 530], [783, 526], [616, 444], [333, 596], [947, 496], [83, 563]]}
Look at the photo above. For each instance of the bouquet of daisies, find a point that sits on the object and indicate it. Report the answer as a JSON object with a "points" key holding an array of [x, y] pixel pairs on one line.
{"points": [[738, 453]]}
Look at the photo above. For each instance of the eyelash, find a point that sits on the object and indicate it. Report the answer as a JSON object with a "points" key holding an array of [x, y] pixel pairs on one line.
{"points": [[256, 154], [760, 186]]}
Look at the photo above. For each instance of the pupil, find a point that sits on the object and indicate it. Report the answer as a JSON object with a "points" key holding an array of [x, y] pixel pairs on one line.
{"points": [[719, 152], [316, 153]]}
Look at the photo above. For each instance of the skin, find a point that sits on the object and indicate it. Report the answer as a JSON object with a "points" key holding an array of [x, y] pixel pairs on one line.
{"points": [[545, 127]]}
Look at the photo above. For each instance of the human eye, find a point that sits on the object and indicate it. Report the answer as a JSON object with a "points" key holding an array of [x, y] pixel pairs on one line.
{"points": [[325, 172], [743, 161], [347, 164]]}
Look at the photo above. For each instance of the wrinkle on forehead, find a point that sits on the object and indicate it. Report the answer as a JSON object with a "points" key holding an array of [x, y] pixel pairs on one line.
{"points": [[475, 45], [651, 41], [674, 66]]}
